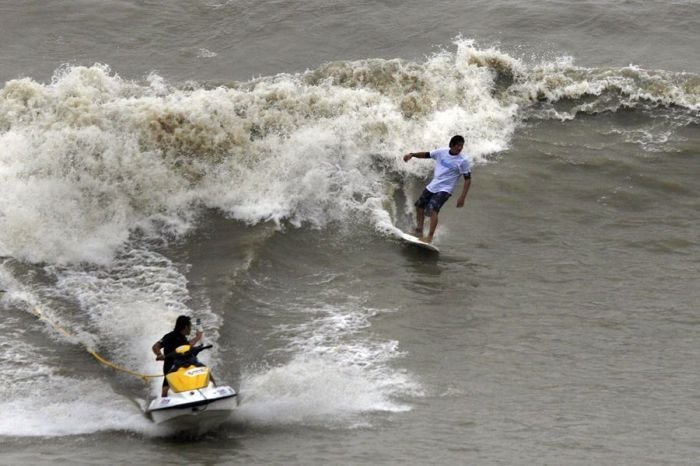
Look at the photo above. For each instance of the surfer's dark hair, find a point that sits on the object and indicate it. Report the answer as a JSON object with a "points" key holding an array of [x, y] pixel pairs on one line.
{"points": [[456, 139], [181, 323]]}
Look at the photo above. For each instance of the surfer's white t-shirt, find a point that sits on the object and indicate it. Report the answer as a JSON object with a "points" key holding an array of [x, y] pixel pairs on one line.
{"points": [[448, 169]]}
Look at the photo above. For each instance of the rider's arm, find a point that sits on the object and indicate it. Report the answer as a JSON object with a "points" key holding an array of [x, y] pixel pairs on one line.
{"points": [[156, 350], [197, 338]]}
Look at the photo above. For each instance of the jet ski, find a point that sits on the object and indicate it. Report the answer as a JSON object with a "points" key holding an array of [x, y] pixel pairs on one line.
{"points": [[194, 404]]}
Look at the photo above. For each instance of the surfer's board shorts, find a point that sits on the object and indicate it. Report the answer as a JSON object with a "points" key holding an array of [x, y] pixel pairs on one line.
{"points": [[432, 201]]}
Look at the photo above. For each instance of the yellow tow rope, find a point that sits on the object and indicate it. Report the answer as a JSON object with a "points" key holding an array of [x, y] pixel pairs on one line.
{"points": [[37, 312]]}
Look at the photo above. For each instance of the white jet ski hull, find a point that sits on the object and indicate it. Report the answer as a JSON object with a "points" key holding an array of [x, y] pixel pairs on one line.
{"points": [[196, 411]]}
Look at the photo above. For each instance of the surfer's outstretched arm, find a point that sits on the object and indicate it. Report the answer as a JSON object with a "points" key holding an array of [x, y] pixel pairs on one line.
{"points": [[418, 155]]}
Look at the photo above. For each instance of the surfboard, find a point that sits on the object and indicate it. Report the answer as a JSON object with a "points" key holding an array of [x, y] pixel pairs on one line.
{"points": [[414, 241]]}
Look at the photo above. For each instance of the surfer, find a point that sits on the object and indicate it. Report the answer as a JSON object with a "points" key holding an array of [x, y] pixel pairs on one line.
{"points": [[450, 164], [170, 341]]}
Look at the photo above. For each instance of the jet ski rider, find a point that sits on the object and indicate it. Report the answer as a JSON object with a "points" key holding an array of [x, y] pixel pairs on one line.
{"points": [[171, 341]]}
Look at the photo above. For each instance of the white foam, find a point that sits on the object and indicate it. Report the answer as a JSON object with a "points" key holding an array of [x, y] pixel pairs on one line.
{"points": [[335, 376], [61, 406], [206, 53], [314, 391]]}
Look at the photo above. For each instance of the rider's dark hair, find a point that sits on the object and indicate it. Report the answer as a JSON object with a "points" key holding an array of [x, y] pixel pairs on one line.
{"points": [[456, 139], [181, 323]]}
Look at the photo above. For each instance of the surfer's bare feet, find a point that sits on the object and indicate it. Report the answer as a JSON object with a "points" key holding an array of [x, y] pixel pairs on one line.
{"points": [[418, 233], [428, 239]]}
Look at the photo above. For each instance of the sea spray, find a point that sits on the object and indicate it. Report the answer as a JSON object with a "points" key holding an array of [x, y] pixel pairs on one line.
{"points": [[333, 376]]}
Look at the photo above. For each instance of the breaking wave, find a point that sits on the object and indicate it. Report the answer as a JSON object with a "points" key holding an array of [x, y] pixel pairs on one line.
{"points": [[89, 158]]}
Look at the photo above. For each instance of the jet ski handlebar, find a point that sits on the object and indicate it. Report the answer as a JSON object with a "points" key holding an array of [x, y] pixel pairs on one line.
{"points": [[198, 349], [193, 352]]}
